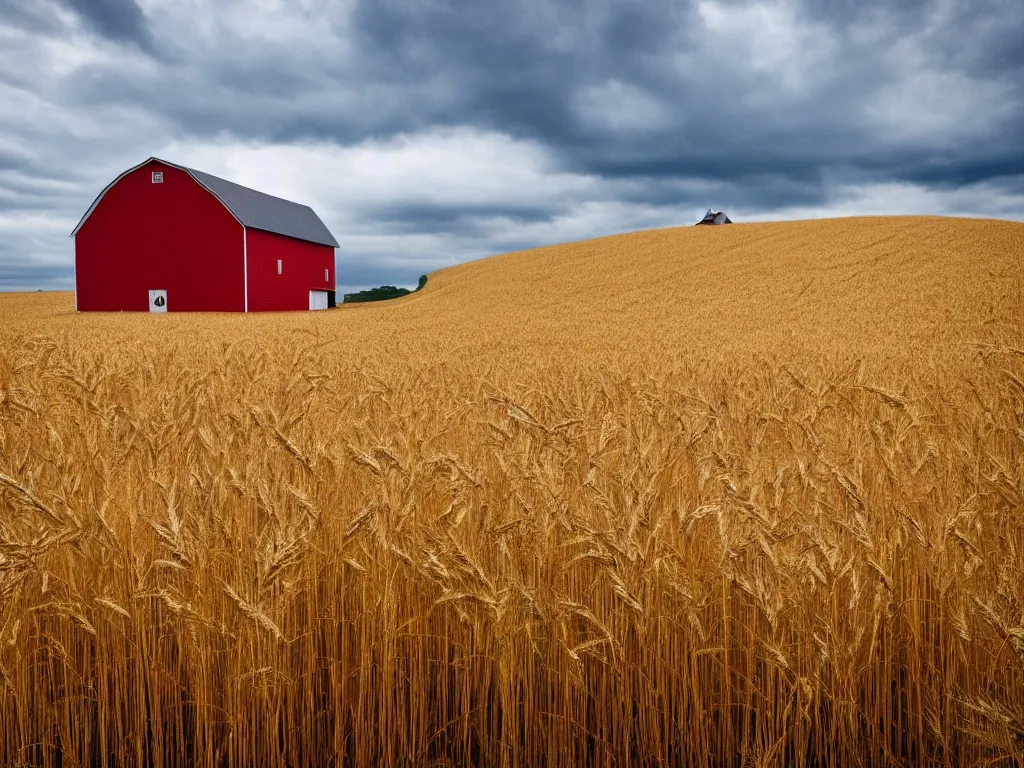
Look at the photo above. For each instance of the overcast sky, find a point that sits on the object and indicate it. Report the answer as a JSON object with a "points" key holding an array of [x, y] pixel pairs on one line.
{"points": [[430, 132]]}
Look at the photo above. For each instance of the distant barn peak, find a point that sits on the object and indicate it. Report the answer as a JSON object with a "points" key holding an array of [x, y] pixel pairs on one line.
{"points": [[715, 217]]}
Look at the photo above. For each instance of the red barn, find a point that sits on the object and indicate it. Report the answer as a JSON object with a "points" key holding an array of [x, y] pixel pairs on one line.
{"points": [[162, 237]]}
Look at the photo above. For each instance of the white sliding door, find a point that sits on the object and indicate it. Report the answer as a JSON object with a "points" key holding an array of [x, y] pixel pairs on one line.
{"points": [[318, 299]]}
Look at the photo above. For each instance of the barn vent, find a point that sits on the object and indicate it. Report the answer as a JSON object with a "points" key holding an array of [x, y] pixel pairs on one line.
{"points": [[158, 177]]}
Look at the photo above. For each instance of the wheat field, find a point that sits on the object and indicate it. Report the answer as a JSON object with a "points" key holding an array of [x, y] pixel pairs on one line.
{"points": [[723, 496]]}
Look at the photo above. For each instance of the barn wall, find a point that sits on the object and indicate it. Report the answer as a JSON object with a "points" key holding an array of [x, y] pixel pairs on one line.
{"points": [[302, 269], [174, 236]]}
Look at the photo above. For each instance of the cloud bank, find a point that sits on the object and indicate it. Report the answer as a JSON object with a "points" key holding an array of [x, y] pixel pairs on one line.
{"points": [[426, 134]]}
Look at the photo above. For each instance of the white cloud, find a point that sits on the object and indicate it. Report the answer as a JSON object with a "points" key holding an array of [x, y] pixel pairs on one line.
{"points": [[925, 103], [357, 189], [985, 200], [766, 40], [443, 167]]}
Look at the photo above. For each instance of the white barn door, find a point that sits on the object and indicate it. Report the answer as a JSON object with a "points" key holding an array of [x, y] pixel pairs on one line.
{"points": [[318, 299]]}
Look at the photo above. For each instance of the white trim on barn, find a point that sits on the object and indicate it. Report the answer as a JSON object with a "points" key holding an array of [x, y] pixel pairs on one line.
{"points": [[245, 266]]}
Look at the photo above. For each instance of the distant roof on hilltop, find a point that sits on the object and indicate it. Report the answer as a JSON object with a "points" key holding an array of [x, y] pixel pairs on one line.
{"points": [[715, 217]]}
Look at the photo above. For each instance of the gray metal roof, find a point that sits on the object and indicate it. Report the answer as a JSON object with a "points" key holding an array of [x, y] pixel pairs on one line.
{"points": [[252, 209], [262, 211]]}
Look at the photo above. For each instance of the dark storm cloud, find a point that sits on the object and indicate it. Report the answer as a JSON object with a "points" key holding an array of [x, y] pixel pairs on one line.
{"points": [[514, 67], [119, 20], [1007, 169], [37, 17], [982, 37], [719, 119], [454, 128], [898, 16], [18, 275]]}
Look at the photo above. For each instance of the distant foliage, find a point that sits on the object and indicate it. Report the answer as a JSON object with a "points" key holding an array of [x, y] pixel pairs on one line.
{"points": [[383, 293]]}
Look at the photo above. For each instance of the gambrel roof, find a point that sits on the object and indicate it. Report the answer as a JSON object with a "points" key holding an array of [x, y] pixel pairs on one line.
{"points": [[251, 208]]}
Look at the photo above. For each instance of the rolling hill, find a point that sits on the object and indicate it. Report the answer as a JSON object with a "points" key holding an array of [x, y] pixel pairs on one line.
{"points": [[861, 285]]}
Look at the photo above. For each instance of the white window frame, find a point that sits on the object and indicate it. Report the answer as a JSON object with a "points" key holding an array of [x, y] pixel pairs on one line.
{"points": [[327, 275], [280, 265], [157, 177]]}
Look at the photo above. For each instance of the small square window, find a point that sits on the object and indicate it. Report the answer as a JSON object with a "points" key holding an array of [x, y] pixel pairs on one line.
{"points": [[279, 266], [158, 177]]}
